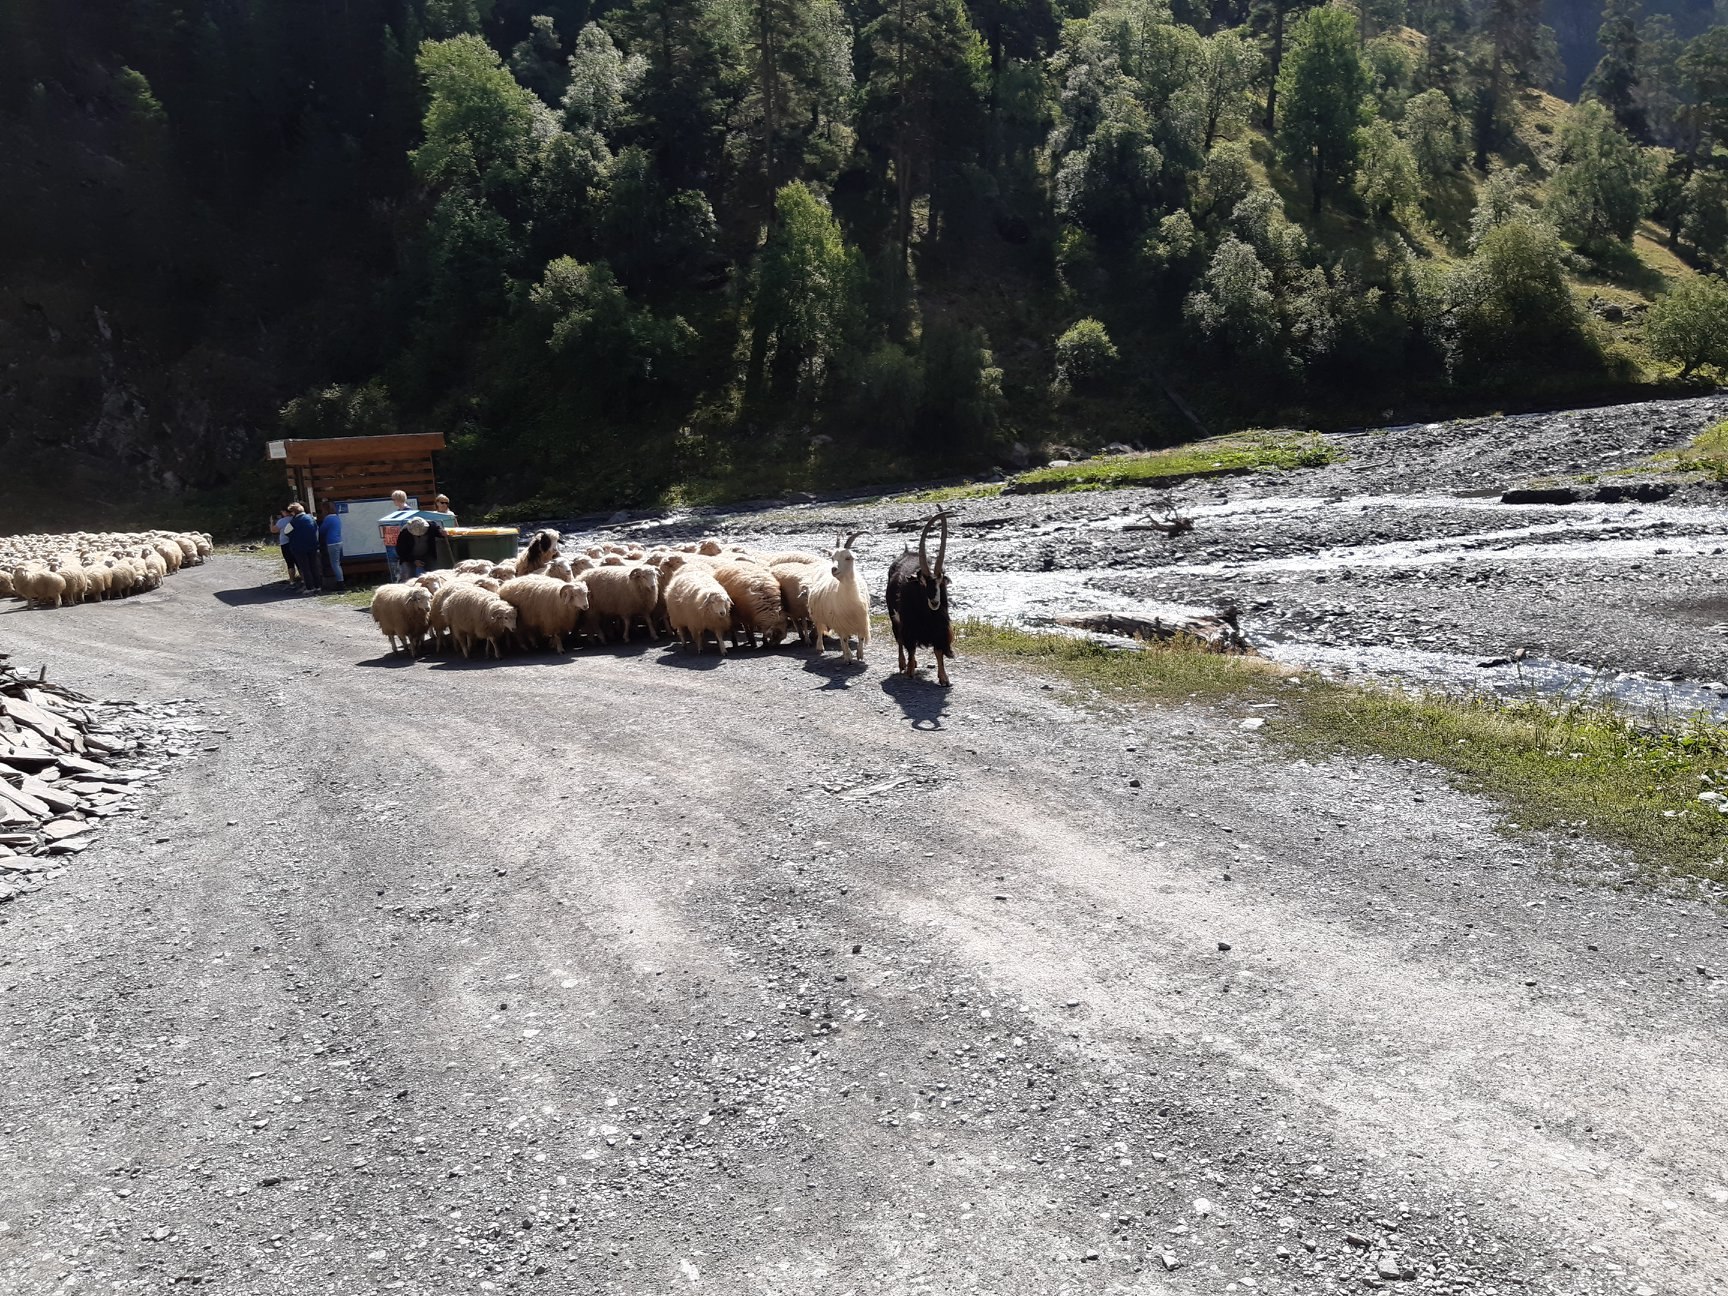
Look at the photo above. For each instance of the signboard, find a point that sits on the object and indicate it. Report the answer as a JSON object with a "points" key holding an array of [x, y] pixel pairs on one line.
{"points": [[360, 533], [276, 449]]}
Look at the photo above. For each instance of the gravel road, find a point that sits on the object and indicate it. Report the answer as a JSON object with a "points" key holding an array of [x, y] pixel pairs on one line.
{"points": [[643, 973]]}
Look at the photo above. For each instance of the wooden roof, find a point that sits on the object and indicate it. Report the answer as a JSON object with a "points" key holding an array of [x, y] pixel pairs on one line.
{"points": [[402, 447]]}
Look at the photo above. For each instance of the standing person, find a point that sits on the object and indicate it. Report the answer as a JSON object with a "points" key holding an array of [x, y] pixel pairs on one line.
{"points": [[442, 505], [280, 528], [303, 545], [330, 544], [399, 501], [417, 546]]}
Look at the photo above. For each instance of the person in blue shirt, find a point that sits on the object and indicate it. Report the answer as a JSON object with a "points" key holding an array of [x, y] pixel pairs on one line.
{"points": [[330, 543], [303, 546]]}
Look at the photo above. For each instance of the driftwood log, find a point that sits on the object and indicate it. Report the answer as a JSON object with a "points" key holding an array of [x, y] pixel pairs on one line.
{"points": [[1211, 631]]}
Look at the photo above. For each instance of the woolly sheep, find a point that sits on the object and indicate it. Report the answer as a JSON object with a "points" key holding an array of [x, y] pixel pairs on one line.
{"points": [[38, 586], [794, 578], [627, 593], [474, 613], [403, 613], [437, 625], [474, 567], [698, 605], [545, 608], [757, 605]]}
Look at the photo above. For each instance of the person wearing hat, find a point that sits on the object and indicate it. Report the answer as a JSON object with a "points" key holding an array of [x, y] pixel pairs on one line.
{"points": [[417, 546]]}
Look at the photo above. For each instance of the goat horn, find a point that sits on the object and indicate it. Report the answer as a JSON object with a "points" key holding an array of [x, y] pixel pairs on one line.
{"points": [[942, 545], [924, 547], [850, 539]]}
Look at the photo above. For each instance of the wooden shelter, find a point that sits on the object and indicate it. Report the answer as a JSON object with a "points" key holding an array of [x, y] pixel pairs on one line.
{"points": [[329, 469]]}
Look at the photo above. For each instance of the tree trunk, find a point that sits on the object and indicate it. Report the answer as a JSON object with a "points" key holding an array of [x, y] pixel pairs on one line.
{"points": [[1277, 61]]}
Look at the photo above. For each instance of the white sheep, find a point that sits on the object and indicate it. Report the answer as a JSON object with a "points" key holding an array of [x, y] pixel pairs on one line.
{"points": [[403, 613], [545, 608], [757, 604], [839, 604], [474, 613], [629, 593], [698, 605]]}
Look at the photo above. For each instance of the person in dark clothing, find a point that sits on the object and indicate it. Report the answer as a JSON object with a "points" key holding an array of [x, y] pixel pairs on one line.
{"points": [[417, 546], [303, 546], [330, 544]]}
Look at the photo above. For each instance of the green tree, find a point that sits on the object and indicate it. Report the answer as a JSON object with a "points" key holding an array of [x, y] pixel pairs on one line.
{"points": [[923, 109], [799, 60], [1704, 207], [1615, 80], [807, 304], [483, 130], [1228, 66], [538, 60], [1432, 128], [1274, 18], [1506, 195], [601, 80], [1508, 308], [1321, 84], [1688, 325], [1659, 81], [1085, 357], [1511, 54], [613, 348], [1234, 303], [1388, 180], [1703, 67], [1596, 194]]}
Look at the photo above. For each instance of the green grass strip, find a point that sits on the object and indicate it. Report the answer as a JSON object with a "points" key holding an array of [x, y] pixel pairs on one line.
{"points": [[1220, 456]]}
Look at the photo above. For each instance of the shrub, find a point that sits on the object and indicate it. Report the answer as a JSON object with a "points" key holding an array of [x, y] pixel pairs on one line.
{"points": [[1085, 356], [1688, 325], [1596, 195], [1508, 306]]}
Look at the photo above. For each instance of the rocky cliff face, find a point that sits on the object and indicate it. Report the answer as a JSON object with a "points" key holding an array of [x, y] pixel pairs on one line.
{"points": [[93, 420]]}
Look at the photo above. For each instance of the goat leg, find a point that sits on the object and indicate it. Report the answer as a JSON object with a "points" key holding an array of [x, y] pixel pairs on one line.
{"points": [[942, 670]]}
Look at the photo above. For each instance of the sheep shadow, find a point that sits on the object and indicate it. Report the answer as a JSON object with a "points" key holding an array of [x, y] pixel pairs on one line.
{"points": [[922, 701], [253, 595], [483, 661], [840, 674], [389, 660], [681, 658]]}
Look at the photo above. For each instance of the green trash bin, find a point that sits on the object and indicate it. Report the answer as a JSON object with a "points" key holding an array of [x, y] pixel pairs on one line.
{"points": [[494, 544]]}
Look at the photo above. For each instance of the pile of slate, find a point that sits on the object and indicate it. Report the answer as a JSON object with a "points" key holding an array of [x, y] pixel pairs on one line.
{"points": [[67, 762]]}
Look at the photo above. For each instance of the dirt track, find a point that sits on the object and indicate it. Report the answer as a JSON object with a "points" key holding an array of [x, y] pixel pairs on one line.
{"points": [[637, 973]]}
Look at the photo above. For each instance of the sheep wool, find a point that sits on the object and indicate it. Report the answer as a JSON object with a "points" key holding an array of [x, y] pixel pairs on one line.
{"points": [[545, 608], [697, 605], [478, 614], [625, 593], [403, 613]]}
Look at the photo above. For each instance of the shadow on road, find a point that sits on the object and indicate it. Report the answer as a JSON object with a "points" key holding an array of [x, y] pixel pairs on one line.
{"points": [[684, 659], [922, 701], [391, 659], [840, 674], [252, 595]]}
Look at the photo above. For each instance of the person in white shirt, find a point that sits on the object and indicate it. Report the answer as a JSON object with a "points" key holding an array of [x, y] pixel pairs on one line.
{"points": [[281, 526]]}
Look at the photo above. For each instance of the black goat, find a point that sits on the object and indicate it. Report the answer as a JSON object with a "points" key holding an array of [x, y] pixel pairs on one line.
{"points": [[918, 603]]}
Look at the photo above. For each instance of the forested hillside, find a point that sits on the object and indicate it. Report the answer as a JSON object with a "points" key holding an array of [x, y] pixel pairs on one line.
{"points": [[662, 248]]}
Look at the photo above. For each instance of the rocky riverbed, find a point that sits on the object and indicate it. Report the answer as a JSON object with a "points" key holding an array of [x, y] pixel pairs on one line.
{"points": [[1401, 561]]}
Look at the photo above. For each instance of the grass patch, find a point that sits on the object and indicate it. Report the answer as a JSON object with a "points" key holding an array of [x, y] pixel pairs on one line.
{"points": [[1215, 457], [942, 494], [1582, 765], [358, 596]]}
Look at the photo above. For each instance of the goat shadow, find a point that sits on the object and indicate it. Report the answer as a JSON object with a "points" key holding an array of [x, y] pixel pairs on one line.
{"points": [[840, 674], [922, 701]]}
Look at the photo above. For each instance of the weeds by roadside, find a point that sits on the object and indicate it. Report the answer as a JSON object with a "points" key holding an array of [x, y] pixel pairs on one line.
{"points": [[1583, 765]]}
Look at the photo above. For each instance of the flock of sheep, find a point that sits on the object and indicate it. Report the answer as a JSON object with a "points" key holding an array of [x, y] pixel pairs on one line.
{"points": [[692, 591], [50, 571]]}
